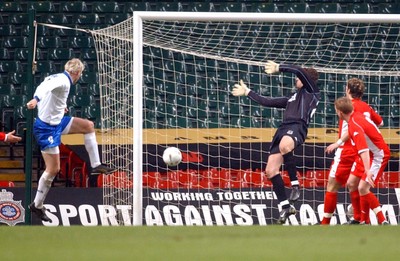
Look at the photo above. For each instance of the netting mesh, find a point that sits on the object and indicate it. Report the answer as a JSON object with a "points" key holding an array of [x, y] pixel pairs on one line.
{"points": [[189, 69]]}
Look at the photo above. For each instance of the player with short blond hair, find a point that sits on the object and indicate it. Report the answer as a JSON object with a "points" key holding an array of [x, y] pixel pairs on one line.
{"points": [[50, 98]]}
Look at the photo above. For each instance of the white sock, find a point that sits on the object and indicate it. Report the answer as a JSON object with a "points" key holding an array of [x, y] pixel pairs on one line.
{"points": [[44, 186], [92, 149]]}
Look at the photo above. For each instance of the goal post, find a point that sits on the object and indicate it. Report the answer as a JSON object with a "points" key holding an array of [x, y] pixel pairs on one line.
{"points": [[138, 119], [165, 80]]}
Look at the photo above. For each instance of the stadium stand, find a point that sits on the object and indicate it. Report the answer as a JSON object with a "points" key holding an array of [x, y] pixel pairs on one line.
{"points": [[57, 18], [10, 7], [42, 6], [328, 8], [74, 7], [105, 7], [296, 8], [8, 30]]}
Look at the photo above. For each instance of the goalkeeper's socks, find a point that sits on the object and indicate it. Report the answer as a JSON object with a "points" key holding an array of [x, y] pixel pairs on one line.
{"points": [[376, 207], [279, 188], [290, 166], [329, 207], [355, 202], [92, 149]]}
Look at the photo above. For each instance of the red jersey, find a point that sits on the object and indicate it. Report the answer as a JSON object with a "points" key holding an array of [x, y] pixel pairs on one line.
{"points": [[366, 135], [2, 136], [367, 111]]}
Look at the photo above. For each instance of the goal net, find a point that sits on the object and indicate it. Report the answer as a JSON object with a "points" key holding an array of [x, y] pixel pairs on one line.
{"points": [[166, 80]]}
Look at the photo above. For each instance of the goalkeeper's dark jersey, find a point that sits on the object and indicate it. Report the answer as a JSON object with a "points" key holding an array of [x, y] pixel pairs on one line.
{"points": [[301, 105]]}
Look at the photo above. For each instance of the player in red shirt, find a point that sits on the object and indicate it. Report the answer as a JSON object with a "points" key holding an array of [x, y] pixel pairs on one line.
{"points": [[345, 156], [9, 137], [373, 155]]}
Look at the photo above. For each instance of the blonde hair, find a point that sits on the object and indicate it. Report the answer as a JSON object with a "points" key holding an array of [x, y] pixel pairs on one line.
{"points": [[74, 66]]}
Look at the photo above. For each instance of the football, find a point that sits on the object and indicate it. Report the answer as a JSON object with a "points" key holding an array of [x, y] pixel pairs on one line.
{"points": [[172, 156]]}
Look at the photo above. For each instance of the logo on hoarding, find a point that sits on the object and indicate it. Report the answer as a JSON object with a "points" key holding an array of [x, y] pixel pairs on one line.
{"points": [[11, 211]]}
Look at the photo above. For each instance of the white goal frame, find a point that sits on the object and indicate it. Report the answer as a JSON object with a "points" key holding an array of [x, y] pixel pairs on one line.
{"points": [[139, 17]]}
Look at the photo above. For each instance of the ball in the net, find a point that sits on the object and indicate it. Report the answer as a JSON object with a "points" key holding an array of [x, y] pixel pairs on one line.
{"points": [[172, 156]]}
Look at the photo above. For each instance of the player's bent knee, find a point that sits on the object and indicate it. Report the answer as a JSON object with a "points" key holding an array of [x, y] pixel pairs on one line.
{"points": [[333, 185], [351, 186], [52, 172], [286, 145], [363, 187], [270, 173], [82, 126], [285, 149], [90, 125]]}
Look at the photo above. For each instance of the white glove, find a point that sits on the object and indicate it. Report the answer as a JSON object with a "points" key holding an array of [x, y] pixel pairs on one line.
{"points": [[240, 89], [271, 67]]}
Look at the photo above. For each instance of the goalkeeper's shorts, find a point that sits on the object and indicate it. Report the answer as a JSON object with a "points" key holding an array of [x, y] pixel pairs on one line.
{"points": [[297, 131]]}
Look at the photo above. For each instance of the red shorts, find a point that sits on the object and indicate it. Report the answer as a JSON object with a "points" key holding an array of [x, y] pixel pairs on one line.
{"points": [[378, 165], [341, 166]]}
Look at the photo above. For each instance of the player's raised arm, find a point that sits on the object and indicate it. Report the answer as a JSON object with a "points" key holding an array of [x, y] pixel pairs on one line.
{"points": [[271, 67], [308, 76], [240, 89]]}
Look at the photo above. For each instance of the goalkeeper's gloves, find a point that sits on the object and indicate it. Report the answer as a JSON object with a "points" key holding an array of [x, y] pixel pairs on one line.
{"points": [[271, 67], [240, 89]]}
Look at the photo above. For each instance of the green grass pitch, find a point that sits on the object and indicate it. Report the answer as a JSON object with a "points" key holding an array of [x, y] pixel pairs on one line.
{"points": [[200, 243]]}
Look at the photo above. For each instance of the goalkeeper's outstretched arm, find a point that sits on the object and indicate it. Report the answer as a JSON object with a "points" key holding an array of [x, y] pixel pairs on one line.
{"points": [[309, 83], [241, 89]]}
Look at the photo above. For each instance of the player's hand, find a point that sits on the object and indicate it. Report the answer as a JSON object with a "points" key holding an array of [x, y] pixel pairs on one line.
{"points": [[10, 137], [31, 104], [369, 179], [271, 67], [331, 148], [240, 89]]}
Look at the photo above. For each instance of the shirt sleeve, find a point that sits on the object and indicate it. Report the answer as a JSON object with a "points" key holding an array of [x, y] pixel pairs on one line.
{"points": [[375, 117], [358, 136], [2, 136], [276, 102], [308, 83], [48, 85]]}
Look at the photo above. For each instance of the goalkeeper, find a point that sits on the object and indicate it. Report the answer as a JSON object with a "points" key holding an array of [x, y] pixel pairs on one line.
{"points": [[299, 108]]}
